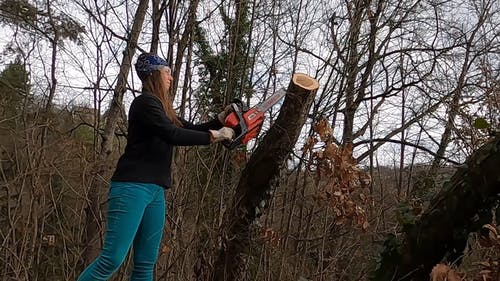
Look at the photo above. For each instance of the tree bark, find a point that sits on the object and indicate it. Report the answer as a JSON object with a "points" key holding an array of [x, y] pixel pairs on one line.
{"points": [[92, 225], [258, 177], [236, 73], [357, 9], [155, 37], [183, 42], [463, 206]]}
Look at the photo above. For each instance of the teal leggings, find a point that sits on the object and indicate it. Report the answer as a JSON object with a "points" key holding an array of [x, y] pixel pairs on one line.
{"points": [[136, 215]]}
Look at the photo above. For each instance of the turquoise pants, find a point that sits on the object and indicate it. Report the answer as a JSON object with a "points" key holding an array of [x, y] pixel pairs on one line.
{"points": [[136, 216]]}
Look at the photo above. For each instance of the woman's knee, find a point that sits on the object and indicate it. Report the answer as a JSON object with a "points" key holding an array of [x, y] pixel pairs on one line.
{"points": [[111, 262]]}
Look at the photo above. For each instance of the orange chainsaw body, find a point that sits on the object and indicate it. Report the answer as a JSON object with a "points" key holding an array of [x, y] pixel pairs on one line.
{"points": [[247, 122], [253, 121]]}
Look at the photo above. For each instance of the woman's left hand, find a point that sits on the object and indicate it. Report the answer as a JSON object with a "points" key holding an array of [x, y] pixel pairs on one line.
{"points": [[223, 114]]}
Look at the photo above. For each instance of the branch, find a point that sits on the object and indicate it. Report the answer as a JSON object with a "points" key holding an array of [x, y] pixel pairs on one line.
{"points": [[384, 140]]}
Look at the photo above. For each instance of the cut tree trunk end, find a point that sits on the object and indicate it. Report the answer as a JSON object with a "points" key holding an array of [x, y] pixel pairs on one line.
{"points": [[259, 178], [305, 82]]}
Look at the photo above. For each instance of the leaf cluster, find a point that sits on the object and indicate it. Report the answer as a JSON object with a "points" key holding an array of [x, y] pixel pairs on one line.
{"points": [[490, 269], [227, 69], [14, 86], [341, 181]]}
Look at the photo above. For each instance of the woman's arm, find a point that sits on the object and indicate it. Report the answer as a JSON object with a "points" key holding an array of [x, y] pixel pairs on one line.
{"points": [[148, 111], [214, 124]]}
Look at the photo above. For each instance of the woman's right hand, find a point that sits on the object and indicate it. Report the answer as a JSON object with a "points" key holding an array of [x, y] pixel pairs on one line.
{"points": [[224, 133]]}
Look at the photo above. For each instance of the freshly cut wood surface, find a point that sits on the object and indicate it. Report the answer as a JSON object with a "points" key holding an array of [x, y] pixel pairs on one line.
{"points": [[305, 82]]}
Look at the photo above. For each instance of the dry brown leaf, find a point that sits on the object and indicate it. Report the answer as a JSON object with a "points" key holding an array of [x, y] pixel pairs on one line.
{"points": [[165, 249], [324, 129], [311, 141], [331, 150], [493, 231], [365, 225], [347, 151], [442, 272]]}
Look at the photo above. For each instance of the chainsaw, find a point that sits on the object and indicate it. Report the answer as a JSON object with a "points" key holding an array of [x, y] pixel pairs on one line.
{"points": [[247, 122]]}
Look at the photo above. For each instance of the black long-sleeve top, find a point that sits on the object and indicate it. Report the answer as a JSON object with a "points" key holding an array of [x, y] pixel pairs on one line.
{"points": [[150, 141]]}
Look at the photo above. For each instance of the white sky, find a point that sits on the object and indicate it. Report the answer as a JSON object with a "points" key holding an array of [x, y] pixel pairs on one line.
{"points": [[73, 59]]}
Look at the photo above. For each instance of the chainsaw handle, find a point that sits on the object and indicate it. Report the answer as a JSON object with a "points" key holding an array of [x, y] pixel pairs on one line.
{"points": [[239, 103], [238, 124]]}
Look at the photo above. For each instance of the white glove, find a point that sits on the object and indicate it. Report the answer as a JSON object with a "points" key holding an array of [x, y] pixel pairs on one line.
{"points": [[222, 115], [224, 133]]}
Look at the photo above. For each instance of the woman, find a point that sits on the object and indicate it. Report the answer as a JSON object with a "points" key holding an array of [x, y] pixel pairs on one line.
{"points": [[136, 210]]}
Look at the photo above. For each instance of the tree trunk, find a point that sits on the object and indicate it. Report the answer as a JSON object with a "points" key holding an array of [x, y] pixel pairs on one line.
{"points": [[236, 73], [463, 206], [183, 42], [455, 104], [258, 177], [92, 224], [352, 69], [155, 37]]}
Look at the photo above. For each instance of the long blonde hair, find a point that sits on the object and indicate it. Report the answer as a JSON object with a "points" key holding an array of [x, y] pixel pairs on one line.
{"points": [[155, 85]]}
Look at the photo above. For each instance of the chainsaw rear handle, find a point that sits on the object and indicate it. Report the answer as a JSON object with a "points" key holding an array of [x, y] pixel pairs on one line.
{"points": [[236, 121]]}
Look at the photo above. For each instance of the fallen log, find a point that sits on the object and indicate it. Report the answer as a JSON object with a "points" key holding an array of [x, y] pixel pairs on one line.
{"points": [[463, 206]]}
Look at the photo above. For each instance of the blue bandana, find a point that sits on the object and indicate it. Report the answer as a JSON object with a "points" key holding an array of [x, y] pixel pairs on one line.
{"points": [[147, 63]]}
